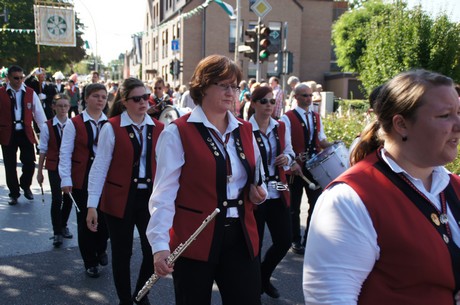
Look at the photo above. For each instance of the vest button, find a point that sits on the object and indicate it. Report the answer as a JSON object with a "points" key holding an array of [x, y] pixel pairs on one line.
{"points": [[135, 179], [240, 202], [148, 180], [225, 203], [92, 158]]}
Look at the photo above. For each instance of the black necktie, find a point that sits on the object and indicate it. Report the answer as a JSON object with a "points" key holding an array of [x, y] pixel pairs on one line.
{"points": [[139, 130], [12, 95], [98, 128]]}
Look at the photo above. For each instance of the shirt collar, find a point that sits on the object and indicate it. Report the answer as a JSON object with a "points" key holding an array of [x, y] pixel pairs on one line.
{"points": [[302, 111], [198, 116], [23, 87], [86, 117], [440, 178], [56, 121], [126, 120], [271, 125]]}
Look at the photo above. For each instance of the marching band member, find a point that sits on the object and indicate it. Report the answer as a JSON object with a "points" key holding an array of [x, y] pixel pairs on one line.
{"points": [[276, 150], [387, 230], [50, 142], [307, 135], [78, 149], [207, 159], [122, 174]]}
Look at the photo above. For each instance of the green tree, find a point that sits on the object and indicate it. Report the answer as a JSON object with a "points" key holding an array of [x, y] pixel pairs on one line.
{"points": [[19, 47], [393, 39]]}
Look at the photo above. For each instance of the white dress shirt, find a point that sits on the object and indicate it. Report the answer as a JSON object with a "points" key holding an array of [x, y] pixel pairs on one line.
{"points": [[321, 134], [342, 243], [37, 108], [45, 134], [170, 159], [101, 164], [288, 152], [67, 146]]}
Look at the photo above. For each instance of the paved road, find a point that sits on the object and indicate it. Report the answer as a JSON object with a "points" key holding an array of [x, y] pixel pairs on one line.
{"points": [[33, 272]]}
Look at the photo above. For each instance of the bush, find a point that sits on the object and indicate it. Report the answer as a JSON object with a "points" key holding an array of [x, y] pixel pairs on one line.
{"points": [[348, 127]]}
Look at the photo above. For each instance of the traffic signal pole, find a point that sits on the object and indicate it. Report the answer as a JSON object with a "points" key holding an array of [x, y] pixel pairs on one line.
{"points": [[259, 24]]}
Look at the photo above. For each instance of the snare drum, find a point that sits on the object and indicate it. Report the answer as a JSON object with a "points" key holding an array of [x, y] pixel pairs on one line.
{"points": [[168, 115], [329, 164]]}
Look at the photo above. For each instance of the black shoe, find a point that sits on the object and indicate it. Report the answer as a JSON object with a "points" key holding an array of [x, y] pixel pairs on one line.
{"points": [[13, 201], [92, 272], [57, 241], [271, 291], [297, 248], [28, 194], [103, 259], [66, 233]]}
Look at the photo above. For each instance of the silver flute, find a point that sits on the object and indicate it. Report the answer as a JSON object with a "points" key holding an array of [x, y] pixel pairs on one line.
{"points": [[175, 255]]}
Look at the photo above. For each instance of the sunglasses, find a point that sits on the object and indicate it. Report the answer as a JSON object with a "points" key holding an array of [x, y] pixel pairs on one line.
{"points": [[137, 99], [157, 88], [264, 101], [306, 95], [18, 77]]}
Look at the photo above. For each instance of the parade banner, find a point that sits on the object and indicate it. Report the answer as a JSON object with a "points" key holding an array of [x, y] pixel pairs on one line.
{"points": [[55, 26]]}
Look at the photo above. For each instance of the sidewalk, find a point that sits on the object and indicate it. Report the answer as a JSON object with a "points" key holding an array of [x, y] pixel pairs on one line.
{"points": [[33, 272]]}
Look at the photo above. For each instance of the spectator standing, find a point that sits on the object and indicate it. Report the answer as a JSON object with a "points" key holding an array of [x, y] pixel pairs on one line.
{"points": [[279, 97]]}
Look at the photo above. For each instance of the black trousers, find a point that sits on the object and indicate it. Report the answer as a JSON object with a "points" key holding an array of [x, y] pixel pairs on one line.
{"points": [[27, 157], [236, 274], [91, 244], [296, 190], [121, 231], [276, 215], [61, 204]]}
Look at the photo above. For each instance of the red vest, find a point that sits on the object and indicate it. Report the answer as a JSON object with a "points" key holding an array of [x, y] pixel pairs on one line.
{"points": [[197, 196], [120, 175], [82, 153], [6, 118], [52, 155], [298, 135], [414, 267]]}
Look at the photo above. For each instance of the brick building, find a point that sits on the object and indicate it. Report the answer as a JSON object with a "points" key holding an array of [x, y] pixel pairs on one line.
{"points": [[200, 28]]}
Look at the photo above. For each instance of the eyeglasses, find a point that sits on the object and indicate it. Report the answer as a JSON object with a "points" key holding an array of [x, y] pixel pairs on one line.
{"points": [[157, 88], [264, 101], [137, 99], [306, 95], [225, 87], [18, 77]]}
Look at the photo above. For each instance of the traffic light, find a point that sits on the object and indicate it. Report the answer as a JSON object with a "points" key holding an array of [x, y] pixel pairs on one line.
{"points": [[176, 68], [171, 67], [181, 66], [251, 44], [289, 63], [279, 61], [264, 38]]}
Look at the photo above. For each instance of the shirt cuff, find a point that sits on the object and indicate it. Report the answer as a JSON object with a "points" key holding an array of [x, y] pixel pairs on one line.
{"points": [[93, 201], [161, 246], [66, 182]]}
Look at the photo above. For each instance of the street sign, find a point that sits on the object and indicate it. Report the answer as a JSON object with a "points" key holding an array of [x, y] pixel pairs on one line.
{"points": [[175, 45], [261, 8]]}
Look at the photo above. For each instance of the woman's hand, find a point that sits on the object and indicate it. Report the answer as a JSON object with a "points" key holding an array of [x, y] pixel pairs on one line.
{"points": [[40, 177], [67, 189], [159, 262], [257, 194], [91, 219], [281, 160]]}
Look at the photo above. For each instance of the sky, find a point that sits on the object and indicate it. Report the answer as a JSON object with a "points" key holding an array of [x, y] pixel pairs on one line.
{"points": [[116, 20]]}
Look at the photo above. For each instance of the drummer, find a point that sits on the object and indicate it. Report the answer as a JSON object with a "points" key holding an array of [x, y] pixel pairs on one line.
{"points": [[308, 139], [158, 99]]}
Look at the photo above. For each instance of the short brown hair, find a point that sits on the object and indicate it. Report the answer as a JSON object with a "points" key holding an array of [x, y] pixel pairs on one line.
{"points": [[210, 70]]}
